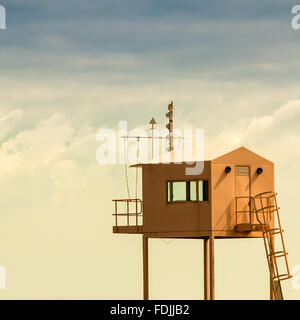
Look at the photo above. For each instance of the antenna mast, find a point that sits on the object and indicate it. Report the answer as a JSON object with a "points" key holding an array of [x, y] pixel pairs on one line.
{"points": [[170, 126]]}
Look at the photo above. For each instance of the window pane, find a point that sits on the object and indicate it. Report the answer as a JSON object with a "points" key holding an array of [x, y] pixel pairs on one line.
{"points": [[193, 191], [200, 190], [170, 191], [203, 190], [187, 190], [179, 191]]}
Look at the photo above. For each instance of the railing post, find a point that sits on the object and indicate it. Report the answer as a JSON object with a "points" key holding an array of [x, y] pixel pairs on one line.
{"points": [[136, 214], [212, 266], [250, 210], [236, 210], [127, 206], [145, 268], [116, 214]]}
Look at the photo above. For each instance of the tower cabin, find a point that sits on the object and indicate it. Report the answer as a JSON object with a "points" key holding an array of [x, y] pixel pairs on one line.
{"points": [[233, 197], [218, 200]]}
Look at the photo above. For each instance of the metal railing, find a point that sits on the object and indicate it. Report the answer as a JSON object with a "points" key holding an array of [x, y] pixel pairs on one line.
{"points": [[250, 212], [263, 215], [133, 208]]}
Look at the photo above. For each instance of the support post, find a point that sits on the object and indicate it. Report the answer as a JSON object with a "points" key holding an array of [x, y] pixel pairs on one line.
{"points": [[212, 266], [145, 268], [206, 273], [272, 295]]}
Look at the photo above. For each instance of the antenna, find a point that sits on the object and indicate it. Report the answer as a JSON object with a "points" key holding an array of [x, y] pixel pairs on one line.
{"points": [[169, 126], [152, 122]]}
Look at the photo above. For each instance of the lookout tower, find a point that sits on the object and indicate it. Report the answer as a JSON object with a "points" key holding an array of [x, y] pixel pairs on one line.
{"points": [[232, 198]]}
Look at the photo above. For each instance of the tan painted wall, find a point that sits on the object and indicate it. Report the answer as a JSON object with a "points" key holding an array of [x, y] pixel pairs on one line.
{"points": [[160, 216], [223, 191], [223, 194]]}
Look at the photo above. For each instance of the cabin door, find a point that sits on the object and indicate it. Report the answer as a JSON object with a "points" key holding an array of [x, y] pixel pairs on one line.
{"points": [[242, 189]]}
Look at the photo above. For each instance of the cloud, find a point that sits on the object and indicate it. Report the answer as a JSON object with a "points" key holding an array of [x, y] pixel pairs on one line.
{"points": [[275, 135], [30, 150], [9, 121], [60, 143], [210, 40]]}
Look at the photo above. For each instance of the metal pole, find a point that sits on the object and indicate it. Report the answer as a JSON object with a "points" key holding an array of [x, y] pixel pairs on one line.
{"points": [[206, 273], [212, 265], [145, 268], [152, 122]]}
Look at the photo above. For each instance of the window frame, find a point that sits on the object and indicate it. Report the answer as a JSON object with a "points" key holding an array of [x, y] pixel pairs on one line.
{"points": [[197, 191]]}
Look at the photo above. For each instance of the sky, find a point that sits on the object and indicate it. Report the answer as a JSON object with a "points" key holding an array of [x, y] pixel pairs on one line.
{"points": [[70, 68]]}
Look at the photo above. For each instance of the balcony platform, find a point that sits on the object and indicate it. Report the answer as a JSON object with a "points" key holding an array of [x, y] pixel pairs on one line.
{"points": [[128, 229], [248, 227], [218, 234]]}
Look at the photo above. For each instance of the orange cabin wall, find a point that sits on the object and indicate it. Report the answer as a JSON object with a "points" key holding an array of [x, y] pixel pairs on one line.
{"points": [[160, 216], [224, 191]]}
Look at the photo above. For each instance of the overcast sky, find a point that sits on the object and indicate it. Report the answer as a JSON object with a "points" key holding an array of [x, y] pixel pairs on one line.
{"points": [[107, 58]]}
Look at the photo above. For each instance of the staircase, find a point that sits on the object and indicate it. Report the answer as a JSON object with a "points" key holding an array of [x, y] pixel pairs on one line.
{"points": [[267, 214]]}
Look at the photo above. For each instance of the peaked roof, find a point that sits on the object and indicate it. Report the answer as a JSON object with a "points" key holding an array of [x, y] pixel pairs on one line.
{"points": [[242, 155], [174, 156]]}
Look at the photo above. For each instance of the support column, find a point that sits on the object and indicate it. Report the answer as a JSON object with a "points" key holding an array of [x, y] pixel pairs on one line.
{"points": [[272, 295], [212, 266], [145, 268], [206, 273]]}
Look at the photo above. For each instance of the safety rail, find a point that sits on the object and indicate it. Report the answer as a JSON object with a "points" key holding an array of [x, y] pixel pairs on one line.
{"points": [[253, 211], [136, 212], [265, 205], [250, 212]]}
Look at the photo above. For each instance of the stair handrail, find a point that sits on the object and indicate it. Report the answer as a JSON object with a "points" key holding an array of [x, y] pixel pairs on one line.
{"points": [[272, 255]]}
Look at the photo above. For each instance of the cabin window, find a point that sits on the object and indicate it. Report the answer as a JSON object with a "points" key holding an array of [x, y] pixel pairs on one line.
{"points": [[202, 190], [187, 190]]}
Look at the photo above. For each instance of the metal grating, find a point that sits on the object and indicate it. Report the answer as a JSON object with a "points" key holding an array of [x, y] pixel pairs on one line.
{"points": [[242, 171]]}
